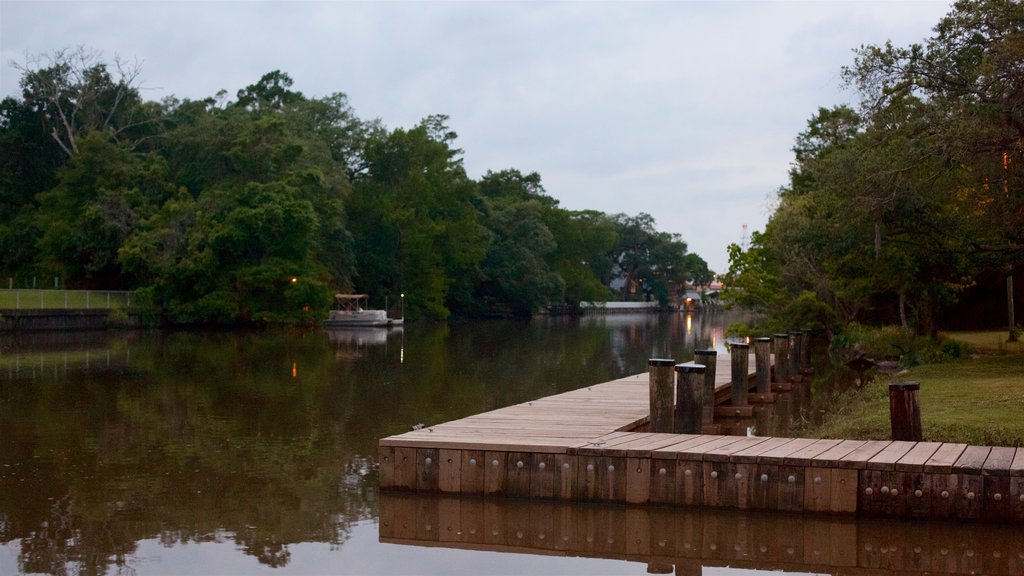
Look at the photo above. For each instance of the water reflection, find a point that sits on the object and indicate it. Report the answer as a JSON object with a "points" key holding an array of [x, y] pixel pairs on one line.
{"points": [[113, 441], [685, 541]]}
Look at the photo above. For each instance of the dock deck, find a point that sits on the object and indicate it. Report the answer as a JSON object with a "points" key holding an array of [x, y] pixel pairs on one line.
{"points": [[590, 445]]}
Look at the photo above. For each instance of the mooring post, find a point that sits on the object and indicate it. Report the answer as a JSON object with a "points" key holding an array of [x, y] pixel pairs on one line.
{"points": [[689, 398], [709, 360], [794, 355], [805, 350], [905, 411], [763, 364], [781, 358], [660, 375], [740, 358]]}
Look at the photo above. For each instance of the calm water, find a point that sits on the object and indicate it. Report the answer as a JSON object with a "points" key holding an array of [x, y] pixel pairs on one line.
{"points": [[244, 453]]}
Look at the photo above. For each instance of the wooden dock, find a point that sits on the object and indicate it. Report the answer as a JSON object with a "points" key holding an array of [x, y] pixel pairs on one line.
{"points": [[591, 445]]}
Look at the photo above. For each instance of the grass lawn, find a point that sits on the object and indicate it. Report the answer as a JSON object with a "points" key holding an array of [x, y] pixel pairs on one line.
{"points": [[978, 400], [56, 299]]}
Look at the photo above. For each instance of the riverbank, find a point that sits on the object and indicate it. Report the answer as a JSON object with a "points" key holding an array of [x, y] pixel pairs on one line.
{"points": [[977, 400]]}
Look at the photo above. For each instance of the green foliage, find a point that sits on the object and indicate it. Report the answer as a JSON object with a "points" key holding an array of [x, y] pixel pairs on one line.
{"points": [[895, 343], [256, 210], [894, 208]]}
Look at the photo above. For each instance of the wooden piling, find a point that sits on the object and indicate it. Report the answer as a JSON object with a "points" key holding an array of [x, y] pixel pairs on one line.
{"points": [[795, 351], [781, 358], [805, 350], [763, 364], [905, 411], [740, 358], [708, 359], [689, 398], [660, 376]]}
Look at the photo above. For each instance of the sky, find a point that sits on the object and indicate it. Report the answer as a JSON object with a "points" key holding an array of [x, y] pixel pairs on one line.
{"points": [[685, 110]]}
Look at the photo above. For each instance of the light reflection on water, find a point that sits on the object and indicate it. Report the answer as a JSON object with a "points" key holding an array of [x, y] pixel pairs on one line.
{"points": [[241, 453]]}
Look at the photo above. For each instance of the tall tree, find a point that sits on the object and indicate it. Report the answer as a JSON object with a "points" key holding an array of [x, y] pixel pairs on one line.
{"points": [[76, 92], [969, 74], [416, 221]]}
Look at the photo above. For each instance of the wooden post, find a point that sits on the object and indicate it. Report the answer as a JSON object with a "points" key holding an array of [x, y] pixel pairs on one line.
{"points": [[763, 364], [740, 358], [689, 398], [709, 360], [781, 358], [805, 348], [794, 354], [905, 411], [660, 375]]}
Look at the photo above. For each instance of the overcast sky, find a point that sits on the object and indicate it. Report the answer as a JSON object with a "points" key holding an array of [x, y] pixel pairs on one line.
{"points": [[684, 110]]}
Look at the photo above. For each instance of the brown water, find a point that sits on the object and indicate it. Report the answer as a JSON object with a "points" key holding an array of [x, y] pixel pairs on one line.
{"points": [[244, 453]]}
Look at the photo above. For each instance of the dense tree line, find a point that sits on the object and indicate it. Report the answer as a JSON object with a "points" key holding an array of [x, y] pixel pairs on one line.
{"points": [[895, 207], [259, 207]]}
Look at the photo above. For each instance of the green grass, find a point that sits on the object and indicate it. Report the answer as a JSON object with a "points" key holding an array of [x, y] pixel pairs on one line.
{"points": [[979, 400], [989, 342], [55, 299]]}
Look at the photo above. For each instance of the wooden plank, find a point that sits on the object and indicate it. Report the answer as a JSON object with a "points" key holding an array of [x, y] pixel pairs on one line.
{"points": [[972, 460], [1017, 466], [778, 454], [945, 490], [405, 468], [494, 472], [601, 479], [882, 493], [472, 471], [697, 451], [663, 486], [426, 469], [749, 455], [914, 460], [942, 461], [737, 489], [643, 444], [843, 499], [1017, 500], [690, 479], [830, 458], [858, 459], [745, 411], [817, 489], [791, 488], [725, 452], [998, 462], [386, 466], [996, 502], [886, 459], [638, 480], [672, 451], [518, 469], [543, 477], [919, 495], [805, 456], [450, 473]]}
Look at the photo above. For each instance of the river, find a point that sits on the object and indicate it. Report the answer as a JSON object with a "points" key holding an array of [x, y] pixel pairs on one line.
{"points": [[183, 452]]}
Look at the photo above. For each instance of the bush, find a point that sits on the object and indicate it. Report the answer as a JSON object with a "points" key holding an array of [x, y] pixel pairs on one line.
{"points": [[895, 343]]}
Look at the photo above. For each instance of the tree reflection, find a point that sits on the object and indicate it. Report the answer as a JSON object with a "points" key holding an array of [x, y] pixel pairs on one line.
{"points": [[261, 439]]}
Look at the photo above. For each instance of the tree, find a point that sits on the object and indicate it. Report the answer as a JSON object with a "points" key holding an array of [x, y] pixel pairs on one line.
{"points": [[76, 93], [969, 77], [516, 271], [647, 259], [100, 196], [416, 220]]}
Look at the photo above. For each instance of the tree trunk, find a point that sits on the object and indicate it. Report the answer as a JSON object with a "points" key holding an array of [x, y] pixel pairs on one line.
{"points": [[1009, 306], [903, 309]]}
